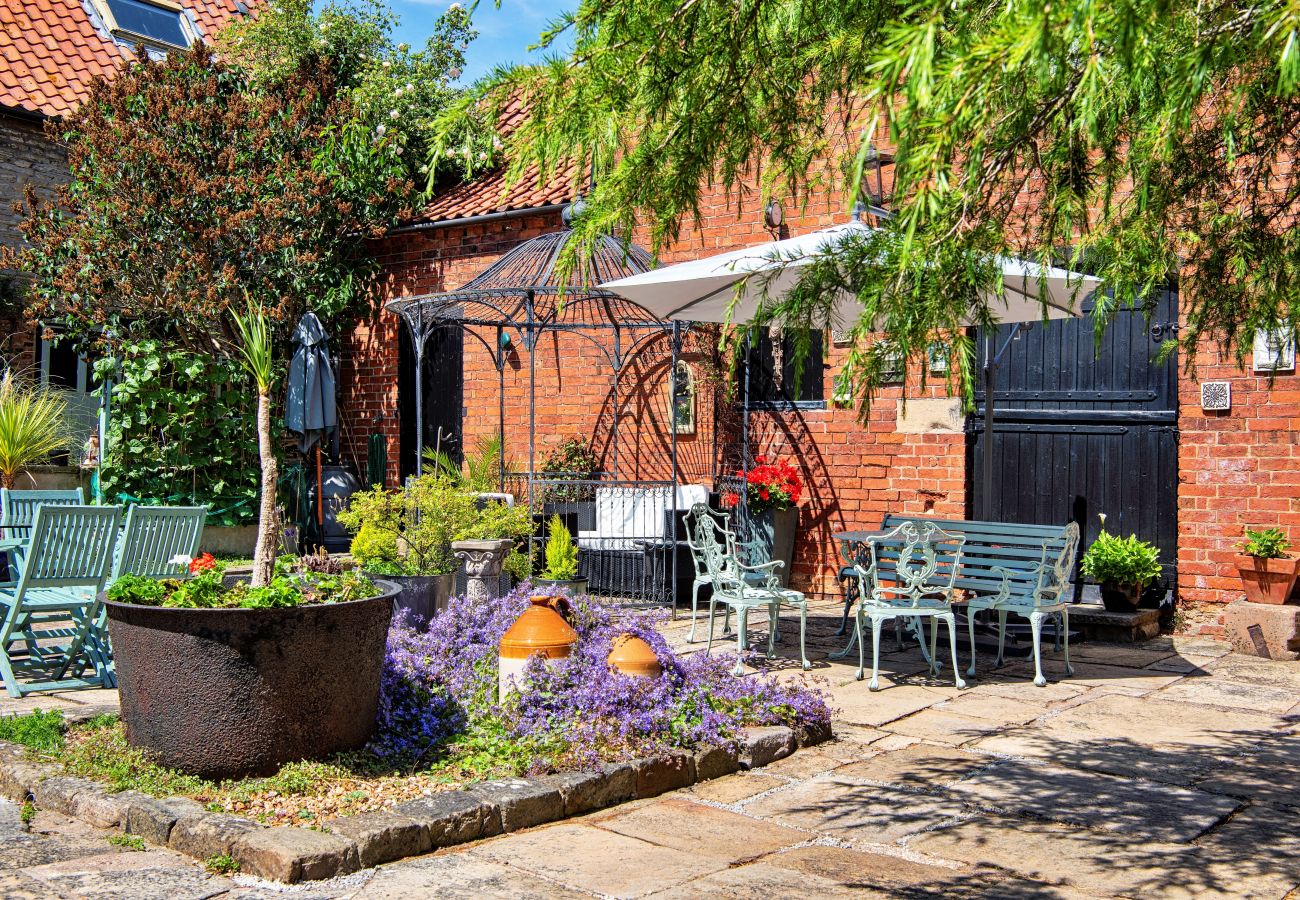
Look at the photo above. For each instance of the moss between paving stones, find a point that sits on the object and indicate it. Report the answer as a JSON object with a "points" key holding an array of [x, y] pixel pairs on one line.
{"points": [[343, 845]]}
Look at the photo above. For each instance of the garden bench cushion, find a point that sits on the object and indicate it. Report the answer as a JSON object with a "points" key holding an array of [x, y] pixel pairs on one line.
{"points": [[626, 517]]}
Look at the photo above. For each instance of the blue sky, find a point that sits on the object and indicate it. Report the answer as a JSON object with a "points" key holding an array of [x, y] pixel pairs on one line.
{"points": [[504, 34]]}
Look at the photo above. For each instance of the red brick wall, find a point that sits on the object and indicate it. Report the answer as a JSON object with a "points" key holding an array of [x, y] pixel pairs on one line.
{"points": [[1236, 468], [855, 474]]}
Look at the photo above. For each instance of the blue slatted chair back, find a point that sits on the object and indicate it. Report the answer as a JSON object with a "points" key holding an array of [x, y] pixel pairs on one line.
{"points": [[159, 541], [18, 508], [71, 546]]}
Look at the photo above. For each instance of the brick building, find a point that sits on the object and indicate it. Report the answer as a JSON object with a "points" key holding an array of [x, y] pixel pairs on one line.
{"points": [[1078, 433], [51, 51]]}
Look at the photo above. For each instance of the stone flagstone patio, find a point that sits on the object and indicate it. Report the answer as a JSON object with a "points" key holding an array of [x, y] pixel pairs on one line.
{"points": [[1166, 769]]}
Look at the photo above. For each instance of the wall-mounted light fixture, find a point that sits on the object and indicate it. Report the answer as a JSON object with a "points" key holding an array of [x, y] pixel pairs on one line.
{"points": [[773, 214]]}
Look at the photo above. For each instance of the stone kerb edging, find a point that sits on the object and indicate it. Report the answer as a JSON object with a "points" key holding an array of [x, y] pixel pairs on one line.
{"points": [[290, 854]]}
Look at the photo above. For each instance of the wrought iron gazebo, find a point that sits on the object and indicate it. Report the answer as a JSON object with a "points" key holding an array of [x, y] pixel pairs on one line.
{"points": [[628, 542]]}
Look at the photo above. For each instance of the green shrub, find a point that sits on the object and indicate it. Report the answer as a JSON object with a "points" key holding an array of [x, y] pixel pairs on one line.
{"points": [[1121, 561], [561, 552], [1269, 543], [40, 731], [372, 545]]}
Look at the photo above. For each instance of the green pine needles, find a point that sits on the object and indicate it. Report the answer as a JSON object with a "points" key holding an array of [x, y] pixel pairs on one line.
{"points": [[561, 552]]}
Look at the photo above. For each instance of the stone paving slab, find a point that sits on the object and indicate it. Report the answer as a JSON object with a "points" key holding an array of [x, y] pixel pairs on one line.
{"points": [[762, 881], [735, 788], [922, 767], [858, 706], [680, 824], [149, 875], [1139, 809], [585, 858], [458, 876], [1230, 695], [995, 708], [854, 811], [942, 726], [1252, 670]]}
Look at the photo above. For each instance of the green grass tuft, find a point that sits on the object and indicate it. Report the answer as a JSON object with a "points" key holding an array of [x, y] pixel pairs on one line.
{"points": [[104, 754], [221, 864], [27, 813], [39, 731], [131, 841]]}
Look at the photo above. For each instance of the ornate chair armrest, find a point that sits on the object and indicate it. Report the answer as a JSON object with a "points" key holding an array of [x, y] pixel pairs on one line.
{"points": [[1004, 592]]}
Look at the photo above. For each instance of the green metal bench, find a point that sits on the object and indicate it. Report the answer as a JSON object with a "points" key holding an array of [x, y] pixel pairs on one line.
{"points": [[50, 621], [1012, 568]]}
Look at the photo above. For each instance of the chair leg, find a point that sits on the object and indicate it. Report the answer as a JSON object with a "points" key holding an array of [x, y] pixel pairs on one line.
{"points": [[898, 635], [875, 655], [1056, 622], [1065, 627], [695, 603], [742, 630], [1002, 639], [6, 667], [857, 631], [803, 628], [1036, 626], [850, 594], [970, 631], [952, 645], [773, 618], [934, 647]]}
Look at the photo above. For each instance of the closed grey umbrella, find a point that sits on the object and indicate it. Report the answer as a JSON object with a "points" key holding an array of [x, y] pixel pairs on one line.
{"points": [[310, 408]]}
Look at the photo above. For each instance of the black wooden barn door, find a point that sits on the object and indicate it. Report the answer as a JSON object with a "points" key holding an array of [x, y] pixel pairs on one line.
{"points": [[1081, 429], [444, 392]]}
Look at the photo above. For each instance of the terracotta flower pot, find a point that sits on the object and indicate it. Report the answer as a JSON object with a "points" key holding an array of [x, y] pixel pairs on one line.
{"points": [[1268, 580], [633, 656]]}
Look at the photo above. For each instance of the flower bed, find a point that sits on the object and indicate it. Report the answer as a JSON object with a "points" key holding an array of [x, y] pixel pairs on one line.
{"points": [[441, 726]]}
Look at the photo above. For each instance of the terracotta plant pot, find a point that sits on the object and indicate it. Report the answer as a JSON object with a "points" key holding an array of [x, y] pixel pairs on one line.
{"points": [[539, 630], [1268, 580], [1120, 598], [633, 656]]}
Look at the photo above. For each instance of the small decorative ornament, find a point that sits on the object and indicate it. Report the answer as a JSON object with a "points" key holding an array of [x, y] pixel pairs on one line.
{"points": [[631, 655], [540, 629], [1274, 349], [1216, 396]]}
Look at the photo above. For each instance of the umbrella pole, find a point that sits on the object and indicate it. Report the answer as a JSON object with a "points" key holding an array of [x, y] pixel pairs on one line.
{"points": [[986, 463], [744, 441], [320, 493]]}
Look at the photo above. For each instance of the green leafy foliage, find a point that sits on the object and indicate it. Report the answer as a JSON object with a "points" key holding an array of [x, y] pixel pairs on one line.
{"points": [[410, 531], [482, 469], [561, 552], [573, 460], [127, 841], [40, 731], [33, 425], [1267, 543], [294, 584], [182, 431], [104, 754], [1121, 561], [221, 864], [1128, 138], [27, 813]]}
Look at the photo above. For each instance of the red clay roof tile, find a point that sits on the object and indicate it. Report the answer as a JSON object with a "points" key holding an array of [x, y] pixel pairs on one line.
{"points": [[53, 53]]}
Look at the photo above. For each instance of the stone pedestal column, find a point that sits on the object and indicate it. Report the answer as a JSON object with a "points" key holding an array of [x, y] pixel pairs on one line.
{"points": [[483, 561]]}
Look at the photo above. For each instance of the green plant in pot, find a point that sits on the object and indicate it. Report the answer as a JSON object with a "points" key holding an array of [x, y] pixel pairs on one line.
{"points": [[1268, 572], [1123, 567], [561, 559]]}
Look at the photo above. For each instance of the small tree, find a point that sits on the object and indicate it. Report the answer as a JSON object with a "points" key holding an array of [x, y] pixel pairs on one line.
{"points": [[33, 425], [256, 353]]}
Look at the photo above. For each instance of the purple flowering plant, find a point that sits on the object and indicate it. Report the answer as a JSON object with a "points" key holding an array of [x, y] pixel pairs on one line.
{"points": [[439, 709]]}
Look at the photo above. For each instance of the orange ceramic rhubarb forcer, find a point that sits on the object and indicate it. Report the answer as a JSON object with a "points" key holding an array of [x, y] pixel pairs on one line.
{"points": [[540, 629], [633, 656]]}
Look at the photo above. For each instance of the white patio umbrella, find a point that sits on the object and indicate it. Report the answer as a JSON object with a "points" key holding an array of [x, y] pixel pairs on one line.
{"points": [[705, 290]]}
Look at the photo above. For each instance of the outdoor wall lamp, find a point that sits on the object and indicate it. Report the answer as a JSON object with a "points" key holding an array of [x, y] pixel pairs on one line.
{"points": [[773, 214]]}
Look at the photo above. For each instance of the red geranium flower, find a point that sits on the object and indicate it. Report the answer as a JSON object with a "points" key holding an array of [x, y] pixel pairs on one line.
{"points": [[203, 563]]}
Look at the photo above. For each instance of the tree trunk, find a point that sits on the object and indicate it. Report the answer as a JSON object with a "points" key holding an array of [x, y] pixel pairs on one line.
{"points": [[268, 522], [7, 481]]}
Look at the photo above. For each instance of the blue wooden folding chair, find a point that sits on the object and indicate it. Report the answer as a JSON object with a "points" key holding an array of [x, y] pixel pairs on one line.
{"points": [[159, 541], [50, 633], [18, 512]]}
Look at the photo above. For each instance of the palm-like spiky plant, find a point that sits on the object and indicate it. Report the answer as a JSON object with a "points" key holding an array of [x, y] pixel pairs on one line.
{"points": [[33, 424], [257, 356]]}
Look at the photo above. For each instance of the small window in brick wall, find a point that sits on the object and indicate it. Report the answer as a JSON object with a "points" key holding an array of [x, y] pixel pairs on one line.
{"points": [[772, 375]]}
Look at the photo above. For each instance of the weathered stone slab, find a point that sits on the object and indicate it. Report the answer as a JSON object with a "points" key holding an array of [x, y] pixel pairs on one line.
{"points": [[59, 792], [522, 803], [736, 788], [453, 817], [208, 834], [1262, 775], [761, 881], [1000, 710], [1233, 695], [859, 706], [805, 763], [1141, 810], [696, 828], [661, 774], [715, 762], [1133, 656], [459, 876], [1022, 687], [382, 836], [294, 854], [764, 745], [919, 767], [582, 792], [1190, 645], [100, 808], [153, 818], [1092, 675], [17, 886], [1262, 629], [1097, 624], [856, 812], [858, 870], [1267, 672], [598, 861], [943, 727]]}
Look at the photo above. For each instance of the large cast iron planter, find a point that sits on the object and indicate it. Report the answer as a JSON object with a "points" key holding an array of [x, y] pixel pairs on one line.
{"points": [[774, 533], [421, 596], [224, 693]]}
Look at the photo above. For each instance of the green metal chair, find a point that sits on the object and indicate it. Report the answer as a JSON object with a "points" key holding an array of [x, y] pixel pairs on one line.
{"points": [[18, 512], [54, 610], [159, 541], [911, 574], [741, 587]]}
